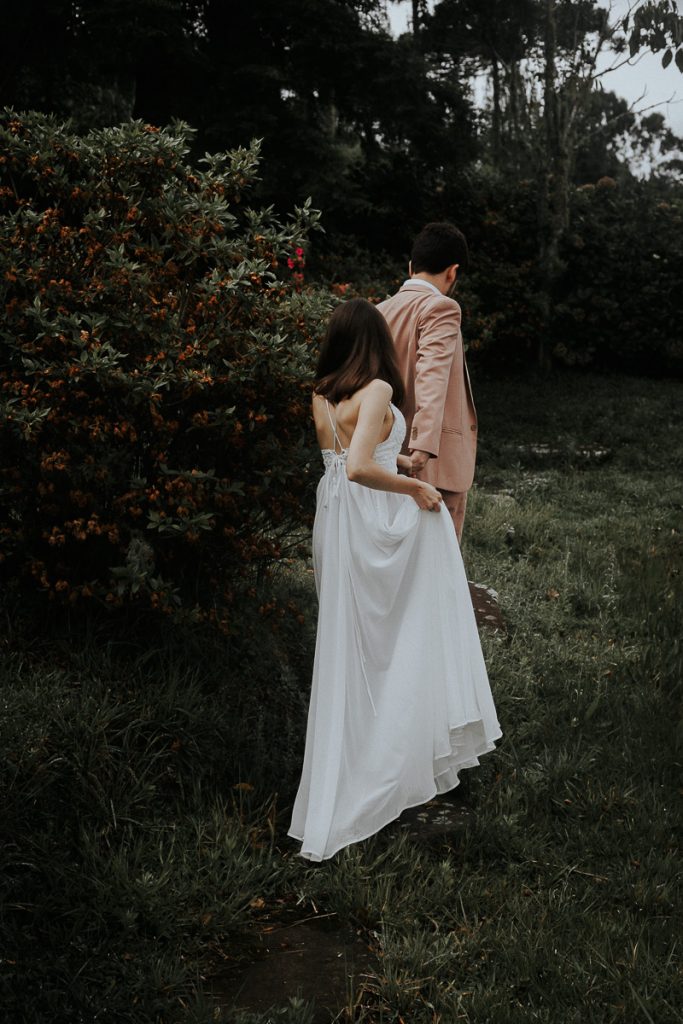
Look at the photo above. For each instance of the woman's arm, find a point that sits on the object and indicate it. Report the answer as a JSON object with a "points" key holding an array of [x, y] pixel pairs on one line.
{"points": [[360, 465]]}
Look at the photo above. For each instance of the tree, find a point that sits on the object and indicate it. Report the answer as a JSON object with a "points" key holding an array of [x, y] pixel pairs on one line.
{"points": [[574, 36], [362, 122], [99, 63], [493, 36]]}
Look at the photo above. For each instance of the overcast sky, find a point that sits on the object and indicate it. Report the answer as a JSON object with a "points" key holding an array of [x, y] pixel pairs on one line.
{"points": [[662, 87]]}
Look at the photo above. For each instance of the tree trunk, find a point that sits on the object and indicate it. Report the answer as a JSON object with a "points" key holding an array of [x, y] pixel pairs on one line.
{"points": [[513, 116], [553, 192], [495, 119], [418, 10]]}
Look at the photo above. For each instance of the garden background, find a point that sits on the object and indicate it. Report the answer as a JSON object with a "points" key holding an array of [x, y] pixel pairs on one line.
{"points": [[187, 188]]}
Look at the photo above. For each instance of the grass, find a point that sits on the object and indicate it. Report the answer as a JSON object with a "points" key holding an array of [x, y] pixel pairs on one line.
{"points": [[146, 784]]}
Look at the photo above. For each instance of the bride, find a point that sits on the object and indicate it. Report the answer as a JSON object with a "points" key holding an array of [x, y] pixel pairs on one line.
{"points": [[400, 700]]}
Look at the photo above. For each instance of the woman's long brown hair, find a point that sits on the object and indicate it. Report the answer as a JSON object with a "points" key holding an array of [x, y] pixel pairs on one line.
{"points": [[356, 349]]}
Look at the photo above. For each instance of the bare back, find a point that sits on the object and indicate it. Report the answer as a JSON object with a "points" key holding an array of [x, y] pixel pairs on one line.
{"points": [[345, 417]]}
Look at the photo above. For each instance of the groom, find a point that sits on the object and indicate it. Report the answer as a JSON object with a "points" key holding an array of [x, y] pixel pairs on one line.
{"points": [[441, 435]]}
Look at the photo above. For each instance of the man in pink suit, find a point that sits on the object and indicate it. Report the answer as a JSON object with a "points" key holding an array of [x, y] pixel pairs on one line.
{"points": [[441, 435]]}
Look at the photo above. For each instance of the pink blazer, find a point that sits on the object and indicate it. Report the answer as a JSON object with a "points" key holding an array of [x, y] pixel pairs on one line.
{"points": [[438, 407]]}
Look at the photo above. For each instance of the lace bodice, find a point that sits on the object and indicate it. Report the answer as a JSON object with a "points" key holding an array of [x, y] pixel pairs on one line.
{"points": [[386, 451]]}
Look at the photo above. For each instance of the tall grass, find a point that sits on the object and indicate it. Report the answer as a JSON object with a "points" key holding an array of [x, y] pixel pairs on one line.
{"points": [[146, 777]]}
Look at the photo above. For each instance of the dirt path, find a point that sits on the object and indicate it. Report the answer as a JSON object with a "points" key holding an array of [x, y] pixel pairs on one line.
{"points": [[315, 957]]}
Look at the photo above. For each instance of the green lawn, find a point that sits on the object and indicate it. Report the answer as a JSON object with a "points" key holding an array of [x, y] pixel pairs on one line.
{"points": [[143, 837]]}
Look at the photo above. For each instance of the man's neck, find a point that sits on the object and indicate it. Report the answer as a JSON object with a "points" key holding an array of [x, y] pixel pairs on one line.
{"points": [[436, 280]]}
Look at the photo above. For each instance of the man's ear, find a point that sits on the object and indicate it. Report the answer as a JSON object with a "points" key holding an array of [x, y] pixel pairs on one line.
{"points": [[410, 268]]}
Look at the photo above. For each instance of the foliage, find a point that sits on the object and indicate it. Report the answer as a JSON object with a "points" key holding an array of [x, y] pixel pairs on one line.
{"points": [[386, 134], [617, 303], [98, 63], [315, 82], [620, 303], [658, 24], [499, 296], [154, 357]]}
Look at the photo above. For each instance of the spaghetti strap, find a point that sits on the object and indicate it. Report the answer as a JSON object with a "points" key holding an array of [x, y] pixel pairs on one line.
{"points": [[333, 424]]}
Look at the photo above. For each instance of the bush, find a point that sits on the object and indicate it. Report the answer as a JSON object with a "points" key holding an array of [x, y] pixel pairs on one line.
{"points": [[154, 362], [621, 301], [617, 304]]}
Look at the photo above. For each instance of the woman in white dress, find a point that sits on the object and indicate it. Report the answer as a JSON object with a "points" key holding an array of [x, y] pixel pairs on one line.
{"points": [[400, 699]]}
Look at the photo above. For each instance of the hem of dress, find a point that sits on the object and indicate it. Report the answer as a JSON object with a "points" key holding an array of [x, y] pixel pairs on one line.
{"points": [[317, 858]]}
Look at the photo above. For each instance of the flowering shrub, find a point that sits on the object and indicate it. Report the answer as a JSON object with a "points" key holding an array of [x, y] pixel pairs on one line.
{"points": [[155, 356], [296, 264]]}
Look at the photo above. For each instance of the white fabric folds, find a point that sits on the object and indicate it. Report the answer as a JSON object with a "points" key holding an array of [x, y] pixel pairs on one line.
{"points": [[400, 700]]}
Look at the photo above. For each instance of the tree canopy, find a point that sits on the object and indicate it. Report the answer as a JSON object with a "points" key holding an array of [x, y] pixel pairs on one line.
{"points": [[478, 103]]}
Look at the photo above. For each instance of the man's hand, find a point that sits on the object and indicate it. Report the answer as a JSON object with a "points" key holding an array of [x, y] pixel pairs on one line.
{"points": [[418, 461]]}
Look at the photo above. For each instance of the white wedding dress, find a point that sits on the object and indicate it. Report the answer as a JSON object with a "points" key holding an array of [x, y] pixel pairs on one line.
{"points": [[400, 700]]}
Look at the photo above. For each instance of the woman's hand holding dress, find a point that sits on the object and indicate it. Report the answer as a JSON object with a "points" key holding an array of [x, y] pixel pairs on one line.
{"points": [[360, 464]]}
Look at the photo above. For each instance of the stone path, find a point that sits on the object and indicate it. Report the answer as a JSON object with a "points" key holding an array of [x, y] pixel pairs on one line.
{"points": [[486, 608]]}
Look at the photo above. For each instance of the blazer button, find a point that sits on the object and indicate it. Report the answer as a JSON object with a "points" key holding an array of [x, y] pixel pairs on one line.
{"points": [[473, 426]]}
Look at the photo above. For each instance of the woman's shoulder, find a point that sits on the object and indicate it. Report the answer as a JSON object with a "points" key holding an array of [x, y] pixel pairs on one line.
{"points": [[377, 388]]}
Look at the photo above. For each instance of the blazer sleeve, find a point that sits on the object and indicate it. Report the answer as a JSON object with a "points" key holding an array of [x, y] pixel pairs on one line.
{"points": [[438, 343]]}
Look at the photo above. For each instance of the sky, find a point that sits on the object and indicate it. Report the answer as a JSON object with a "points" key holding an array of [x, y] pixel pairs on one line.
{"points": [[645, 76]]}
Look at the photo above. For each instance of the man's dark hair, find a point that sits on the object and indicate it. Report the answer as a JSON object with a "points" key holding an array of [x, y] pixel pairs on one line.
{"points": [[438, 246]]}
